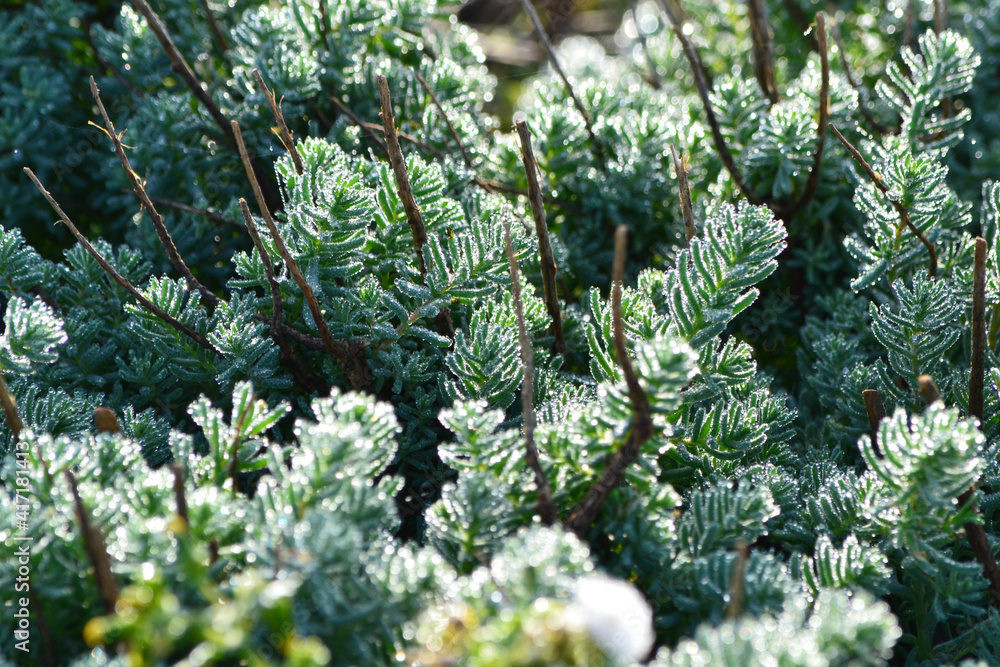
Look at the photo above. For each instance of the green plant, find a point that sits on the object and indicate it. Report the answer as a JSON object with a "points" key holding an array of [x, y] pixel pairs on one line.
{"points": [[699, 367]]}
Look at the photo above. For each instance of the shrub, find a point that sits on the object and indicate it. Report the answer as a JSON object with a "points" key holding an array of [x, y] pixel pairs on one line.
{"points": [[697, 367]]}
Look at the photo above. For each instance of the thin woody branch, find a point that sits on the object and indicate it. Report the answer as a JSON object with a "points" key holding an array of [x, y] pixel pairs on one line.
{"points": [[491, 185], [546, 508], [849, 73], [824, 114], [413, 217], [642, 423], [876, 413], [737, 580], [265, 259], [353, 117], [347, 355], [763, 48], [548, 262], [181, 67], [654, 74], [93, 544], [974, 532], [186, 208], [117, 277], [684, 191], [595, 144], [444, 116], [701, 83], [978, 358], [179, 496], [283, 132], [220, 37], [900, 209], [161, 229]]}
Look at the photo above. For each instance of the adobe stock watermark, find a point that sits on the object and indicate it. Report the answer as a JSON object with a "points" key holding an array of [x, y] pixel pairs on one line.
{"points": [[22, 550]]}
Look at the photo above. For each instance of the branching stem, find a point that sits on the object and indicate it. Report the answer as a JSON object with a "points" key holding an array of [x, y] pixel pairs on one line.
{"points": [[444, 116], [595, 144], [824, 114], [161, 229], [348, 356], [117, 277], [642, 423], [904, 217], [701, 83]]}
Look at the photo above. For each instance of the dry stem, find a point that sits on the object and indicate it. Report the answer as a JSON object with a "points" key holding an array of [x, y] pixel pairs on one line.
{"points": [[283, 132], [978, 360], [876, 413], [93, 543], [117, 277], [413, 217], [595, 144], [548, 262], [685, 194], [763, 48], [213, 25], [10, 410], [444, 115], [161, 229], [903, 215], [347, 356], [642, 424], [546, 508], [700, 80], [824, 114]]}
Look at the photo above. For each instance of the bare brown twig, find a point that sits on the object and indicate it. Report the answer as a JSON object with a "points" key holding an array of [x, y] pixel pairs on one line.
{"points": [[685, 194], [876, 413], [701, 83], [824, 114], [548, 262], [413, 217], [849, 73], [595, 144], [183, 70], [978, 360], [654, 75], [93, 544], [213, 25], [763, 48], [737, 580], [179, 496], [180, 65], [118, 278], [344, 109], [347, 355], [642, 423], [167, 203], [10, 410], [900, 209], [161, 229], [283, 132], [444, 116], [546, 508]]}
